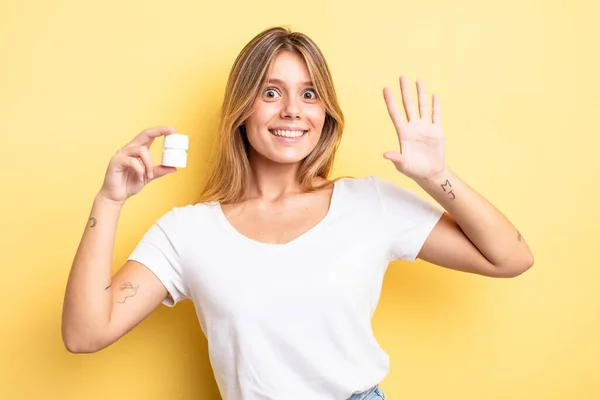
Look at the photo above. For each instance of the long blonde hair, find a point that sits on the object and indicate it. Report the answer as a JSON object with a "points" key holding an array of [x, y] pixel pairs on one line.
{"points": [[230, 171]]}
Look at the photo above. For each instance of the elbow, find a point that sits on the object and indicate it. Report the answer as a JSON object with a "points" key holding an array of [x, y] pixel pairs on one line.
{"points": [[81, 347], [516, 268], [74, 348], [78, 344], [77, 347]]}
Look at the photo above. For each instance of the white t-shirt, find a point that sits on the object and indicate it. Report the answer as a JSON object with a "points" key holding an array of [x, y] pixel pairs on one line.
{"points": [[291, 321]]}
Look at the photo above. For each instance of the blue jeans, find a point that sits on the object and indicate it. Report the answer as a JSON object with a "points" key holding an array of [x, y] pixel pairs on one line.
{"points": [[374, 393]]}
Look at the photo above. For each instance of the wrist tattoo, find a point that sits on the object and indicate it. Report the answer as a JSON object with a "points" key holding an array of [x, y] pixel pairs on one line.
{"points": [[93, 222], [450, 192], [108, 287], [519, 237], [129, 291]]}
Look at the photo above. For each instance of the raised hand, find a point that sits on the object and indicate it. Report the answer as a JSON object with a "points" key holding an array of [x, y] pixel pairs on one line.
{"points": [[420, 135], [131, 168]]}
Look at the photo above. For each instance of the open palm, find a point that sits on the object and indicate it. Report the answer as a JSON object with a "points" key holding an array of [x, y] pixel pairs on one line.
{"points": [[420, 135]]}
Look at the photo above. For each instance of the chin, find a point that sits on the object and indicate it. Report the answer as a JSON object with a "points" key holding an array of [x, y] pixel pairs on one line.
{"points": [[283, 157]]}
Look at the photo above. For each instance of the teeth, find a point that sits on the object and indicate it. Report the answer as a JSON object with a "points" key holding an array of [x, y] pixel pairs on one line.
{"points": [[289, 134]]}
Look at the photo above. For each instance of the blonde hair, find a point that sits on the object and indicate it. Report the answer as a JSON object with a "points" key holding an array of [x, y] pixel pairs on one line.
{"points": [[231, 171]]}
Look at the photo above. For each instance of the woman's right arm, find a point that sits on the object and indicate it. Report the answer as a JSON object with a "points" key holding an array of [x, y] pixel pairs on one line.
{"points": [[98, 310]]}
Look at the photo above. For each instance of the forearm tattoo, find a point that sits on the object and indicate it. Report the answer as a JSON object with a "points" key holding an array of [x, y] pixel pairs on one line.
{"points": [[92, 221], [519, 237], [450, 192], [129, 290]]}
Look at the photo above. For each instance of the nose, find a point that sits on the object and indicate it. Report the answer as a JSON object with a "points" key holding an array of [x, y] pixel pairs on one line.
{"points": [[291, 108]]}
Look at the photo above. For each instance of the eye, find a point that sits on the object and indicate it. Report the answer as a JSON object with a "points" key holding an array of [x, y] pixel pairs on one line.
{"points": [[312, 94], [270, 93]]}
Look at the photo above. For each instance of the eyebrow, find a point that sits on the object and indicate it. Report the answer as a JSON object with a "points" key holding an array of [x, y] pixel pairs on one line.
{"points": [[280, 82]]}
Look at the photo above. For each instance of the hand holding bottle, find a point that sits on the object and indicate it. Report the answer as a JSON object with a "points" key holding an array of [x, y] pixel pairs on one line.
{"points": [[131, 168]]}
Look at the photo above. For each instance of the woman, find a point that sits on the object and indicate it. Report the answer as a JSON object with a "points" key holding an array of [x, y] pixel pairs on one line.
{"points": [[284, 266]]}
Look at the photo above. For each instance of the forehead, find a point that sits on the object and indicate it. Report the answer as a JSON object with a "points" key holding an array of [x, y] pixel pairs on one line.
{"points": [[289, 67]]}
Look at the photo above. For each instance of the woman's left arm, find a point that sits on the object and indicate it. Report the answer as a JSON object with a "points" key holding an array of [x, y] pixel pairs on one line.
{"points": [[472, 225], [472, 236]]}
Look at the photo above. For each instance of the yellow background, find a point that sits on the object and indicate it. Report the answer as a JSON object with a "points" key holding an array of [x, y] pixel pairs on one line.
{"points": [[520, 90]]}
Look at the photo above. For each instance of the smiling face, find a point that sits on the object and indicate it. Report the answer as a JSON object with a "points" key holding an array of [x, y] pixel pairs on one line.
{"points": [[287, 119]]}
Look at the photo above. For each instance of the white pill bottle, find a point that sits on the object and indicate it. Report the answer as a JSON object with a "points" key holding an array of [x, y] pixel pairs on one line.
{"points": [[175, 150]]}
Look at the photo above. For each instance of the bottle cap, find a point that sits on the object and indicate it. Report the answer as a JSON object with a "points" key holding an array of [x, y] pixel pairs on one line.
{"points": [[176, 141]]}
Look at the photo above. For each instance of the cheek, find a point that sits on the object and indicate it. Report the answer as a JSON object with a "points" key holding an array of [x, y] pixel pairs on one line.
{"points": [[317, 117], [263, 113], [254, 122]]}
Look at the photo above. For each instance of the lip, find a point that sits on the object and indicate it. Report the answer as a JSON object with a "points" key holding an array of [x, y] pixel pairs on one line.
{"points": [[287, 128]]}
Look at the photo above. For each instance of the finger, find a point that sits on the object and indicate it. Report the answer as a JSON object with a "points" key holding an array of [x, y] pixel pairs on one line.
{"points": [[142, 153], [392, 108], [138, 167], [147, 160], [131, 157], [126, 162], [407, 100], [436, 117], [395, 157], [162, 170], [147, 136], [423, 102]]}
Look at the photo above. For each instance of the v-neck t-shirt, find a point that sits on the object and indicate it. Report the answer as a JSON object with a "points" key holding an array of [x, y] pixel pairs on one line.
{"points": [[291, 321]]}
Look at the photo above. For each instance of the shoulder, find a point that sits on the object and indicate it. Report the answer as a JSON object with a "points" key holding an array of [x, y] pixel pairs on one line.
{"points": [[357, 192], [382, 193], [356, 185], [186, 216], [366, 187], [183, 224]]}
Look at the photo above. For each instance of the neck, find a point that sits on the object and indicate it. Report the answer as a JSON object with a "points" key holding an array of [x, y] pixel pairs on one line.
{"points": [[272, 181]]}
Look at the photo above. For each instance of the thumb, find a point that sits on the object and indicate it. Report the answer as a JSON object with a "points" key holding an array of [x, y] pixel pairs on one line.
{"points": [[160, 171], [394, 157]]}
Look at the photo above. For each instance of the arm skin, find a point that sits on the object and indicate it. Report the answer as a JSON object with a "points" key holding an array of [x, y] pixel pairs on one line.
{"points": [[472, 236]]}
